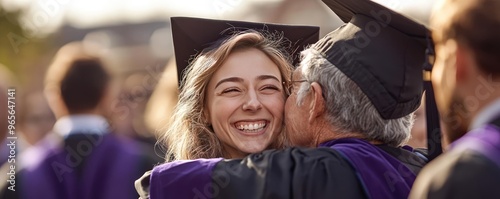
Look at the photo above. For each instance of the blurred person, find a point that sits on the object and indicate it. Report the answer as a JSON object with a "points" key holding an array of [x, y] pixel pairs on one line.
{"points": [[6, 82], [129, 110], [351, 106], [466, 76], [36, 118], [163, 100], [91, 161], [34, 121], [232, 98], [161, 104], [35, 124], [7, 154]]}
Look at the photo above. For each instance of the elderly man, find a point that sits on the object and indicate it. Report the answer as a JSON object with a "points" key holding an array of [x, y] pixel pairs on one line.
{"points": [[352, 98], [466, 77]]}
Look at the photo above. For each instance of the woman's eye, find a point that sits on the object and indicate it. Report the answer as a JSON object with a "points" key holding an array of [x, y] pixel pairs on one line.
{"points": [[230, 90], [270, 88]]}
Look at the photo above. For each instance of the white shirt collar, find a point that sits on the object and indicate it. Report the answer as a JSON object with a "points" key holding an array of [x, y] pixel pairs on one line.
{"points": [[486, 115], [83, 123]]}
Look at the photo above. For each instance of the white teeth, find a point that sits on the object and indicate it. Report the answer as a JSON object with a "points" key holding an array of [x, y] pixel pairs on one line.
{"points": [[252, 127]]}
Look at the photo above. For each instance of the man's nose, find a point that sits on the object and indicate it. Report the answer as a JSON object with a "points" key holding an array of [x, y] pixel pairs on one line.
{"points": [[252, 102]]}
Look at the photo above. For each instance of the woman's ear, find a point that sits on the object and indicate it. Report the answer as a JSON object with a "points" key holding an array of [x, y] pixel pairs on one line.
{"points": [[206, 117], [317, 107]]}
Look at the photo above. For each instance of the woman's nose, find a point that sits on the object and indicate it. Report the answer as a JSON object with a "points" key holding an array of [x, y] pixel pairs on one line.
{"points": [[252, 102]]}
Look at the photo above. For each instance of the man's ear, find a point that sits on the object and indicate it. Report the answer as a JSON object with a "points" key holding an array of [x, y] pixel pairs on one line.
{"points": [[465, 63], [317, 106], [463, 59]]}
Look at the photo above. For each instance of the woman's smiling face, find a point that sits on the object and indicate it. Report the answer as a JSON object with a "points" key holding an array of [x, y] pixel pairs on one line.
{"points": [[245, 102]]}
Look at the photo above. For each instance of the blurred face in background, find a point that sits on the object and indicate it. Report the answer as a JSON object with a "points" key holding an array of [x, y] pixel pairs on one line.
{"points": [[449, 98], [38, 119]]}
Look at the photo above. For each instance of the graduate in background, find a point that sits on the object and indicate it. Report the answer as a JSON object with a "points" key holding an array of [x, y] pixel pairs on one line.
{"points": [[7, 81], [466, 77], [91, 162], [352, 98]]}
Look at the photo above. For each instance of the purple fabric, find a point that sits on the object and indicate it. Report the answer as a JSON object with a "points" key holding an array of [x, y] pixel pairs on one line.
{"points": [[189, 179], [485, 140], [41, 180], [381, 175], [110, 168]]}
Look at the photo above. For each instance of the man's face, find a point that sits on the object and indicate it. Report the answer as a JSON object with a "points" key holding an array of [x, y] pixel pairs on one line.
{"points": [[296, 116], [449, 101]]}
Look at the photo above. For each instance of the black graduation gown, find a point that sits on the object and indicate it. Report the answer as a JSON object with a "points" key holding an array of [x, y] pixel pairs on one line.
{"points": [[469, 169]]}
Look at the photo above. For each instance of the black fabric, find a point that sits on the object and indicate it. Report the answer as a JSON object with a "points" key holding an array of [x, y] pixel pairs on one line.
{"points": [[433, 123], [292, 173], [422, 152], [411, 160], [72, 144], [467, 174], [495, 122], [142, 185], [464, 174]]}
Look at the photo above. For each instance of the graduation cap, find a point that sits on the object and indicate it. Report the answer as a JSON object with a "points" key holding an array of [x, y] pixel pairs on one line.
{"points": [[192, 35], [385, 54]]}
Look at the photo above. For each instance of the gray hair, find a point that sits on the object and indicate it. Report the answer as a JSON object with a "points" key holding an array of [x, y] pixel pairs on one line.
{"points": [[348, 109]]}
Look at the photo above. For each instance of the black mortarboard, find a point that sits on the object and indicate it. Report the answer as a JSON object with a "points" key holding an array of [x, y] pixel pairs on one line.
{"points": [[383, 52], [192, 35]]}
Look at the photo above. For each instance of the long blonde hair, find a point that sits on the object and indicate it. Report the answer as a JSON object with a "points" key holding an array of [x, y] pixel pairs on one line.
{"points": [[188, 135]]}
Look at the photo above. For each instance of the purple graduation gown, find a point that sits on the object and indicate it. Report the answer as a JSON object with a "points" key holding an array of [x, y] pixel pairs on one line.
{"points": [[87, 167], [343, 168]]}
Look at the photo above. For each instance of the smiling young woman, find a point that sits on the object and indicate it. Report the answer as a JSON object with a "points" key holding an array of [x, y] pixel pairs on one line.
{"points": [[244, 102], [222, 102]]}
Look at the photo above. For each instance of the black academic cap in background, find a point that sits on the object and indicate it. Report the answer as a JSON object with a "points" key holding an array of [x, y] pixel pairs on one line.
{"points": [[384, 52], [192, 35]]}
